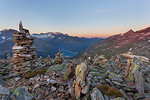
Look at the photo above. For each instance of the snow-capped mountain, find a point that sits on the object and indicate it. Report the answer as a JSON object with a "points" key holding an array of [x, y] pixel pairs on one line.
{"points": [[6, 35], [48, 43], [50, 35], [44, 35], [69, 44]]}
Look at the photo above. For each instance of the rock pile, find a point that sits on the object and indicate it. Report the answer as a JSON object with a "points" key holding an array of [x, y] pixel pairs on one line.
{"points": [[59, 58], [23, 49]]}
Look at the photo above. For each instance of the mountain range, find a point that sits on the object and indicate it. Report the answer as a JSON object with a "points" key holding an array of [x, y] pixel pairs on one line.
{"points": [[137, 42], [48, 43]]}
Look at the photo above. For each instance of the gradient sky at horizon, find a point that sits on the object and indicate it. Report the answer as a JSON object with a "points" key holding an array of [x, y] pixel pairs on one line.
{"points": [[87, 18]]}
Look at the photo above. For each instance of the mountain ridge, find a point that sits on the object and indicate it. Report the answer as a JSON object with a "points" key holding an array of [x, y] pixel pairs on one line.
{"points": [[136, 42], [48, 43]]}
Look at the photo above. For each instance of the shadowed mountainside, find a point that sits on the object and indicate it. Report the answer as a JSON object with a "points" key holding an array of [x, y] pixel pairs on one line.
{"points": [[137, 42]]}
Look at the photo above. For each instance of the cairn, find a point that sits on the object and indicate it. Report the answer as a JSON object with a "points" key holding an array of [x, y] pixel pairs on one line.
{"points": [[23, 49], [59, 58]]}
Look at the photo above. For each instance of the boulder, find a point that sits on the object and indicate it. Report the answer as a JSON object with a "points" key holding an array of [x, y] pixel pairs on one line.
{"points": [[70, 71], [81, 72], [21, 94], [57, 67]]}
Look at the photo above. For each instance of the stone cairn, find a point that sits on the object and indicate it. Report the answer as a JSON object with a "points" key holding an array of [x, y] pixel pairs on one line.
{"points": [[23, 49]]}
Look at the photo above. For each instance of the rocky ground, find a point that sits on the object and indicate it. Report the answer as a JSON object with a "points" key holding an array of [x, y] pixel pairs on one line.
{"points": [[70, 79]]}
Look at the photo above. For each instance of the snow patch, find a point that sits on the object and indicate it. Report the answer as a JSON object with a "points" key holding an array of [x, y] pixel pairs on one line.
{"points": [[41, 36], [59, 38], [3, 37]]}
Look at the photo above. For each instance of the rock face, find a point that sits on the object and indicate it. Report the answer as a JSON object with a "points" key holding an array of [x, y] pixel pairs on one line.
{"points": [[23, 49]]}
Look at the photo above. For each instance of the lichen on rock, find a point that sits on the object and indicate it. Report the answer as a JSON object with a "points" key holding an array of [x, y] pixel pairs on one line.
{"points": [[109, 91]]}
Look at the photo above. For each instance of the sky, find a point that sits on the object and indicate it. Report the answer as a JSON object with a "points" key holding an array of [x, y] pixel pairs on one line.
{"points": [[84, 18]]}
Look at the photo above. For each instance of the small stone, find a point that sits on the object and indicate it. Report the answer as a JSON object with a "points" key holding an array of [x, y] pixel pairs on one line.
{"points": [[53, 89], [58, 74], [17, 78], [83, 84], [148, 77], [118, 98], [115, 77], [124, 94], [36, 86], [4, 91], [46, 77], [59, 94], [85, 90], [117, 83], [96, 94], [1, 80], [71, 91], [61, 89], [5, 98], [147, 87], [106, 97], [46, 92], [52, 81], [147, 95]]}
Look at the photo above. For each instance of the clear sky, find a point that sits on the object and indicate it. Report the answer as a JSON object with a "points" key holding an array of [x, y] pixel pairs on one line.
{"points": [[88, 18]]}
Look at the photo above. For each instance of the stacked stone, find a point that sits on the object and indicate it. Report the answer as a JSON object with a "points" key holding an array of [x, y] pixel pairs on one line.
{"points": [[23, 49]]}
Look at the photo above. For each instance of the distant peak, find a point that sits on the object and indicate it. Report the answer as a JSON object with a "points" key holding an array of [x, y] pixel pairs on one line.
{"points": [[130, 31]]}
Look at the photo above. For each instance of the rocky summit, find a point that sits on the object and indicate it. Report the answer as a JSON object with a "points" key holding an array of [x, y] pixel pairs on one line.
{"points": [[122, 77]]}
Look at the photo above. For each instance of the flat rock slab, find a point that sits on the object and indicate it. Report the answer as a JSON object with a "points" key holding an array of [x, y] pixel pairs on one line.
{"points": [[139, 82]]}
